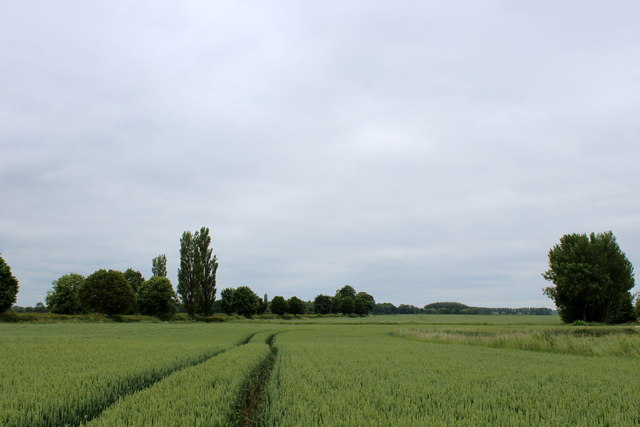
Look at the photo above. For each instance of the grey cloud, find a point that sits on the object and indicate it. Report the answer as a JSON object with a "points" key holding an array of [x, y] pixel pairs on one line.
{"points": [[418, 150]]}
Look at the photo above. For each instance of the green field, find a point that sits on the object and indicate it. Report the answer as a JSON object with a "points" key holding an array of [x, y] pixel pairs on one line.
{"points": [[383, 370]]}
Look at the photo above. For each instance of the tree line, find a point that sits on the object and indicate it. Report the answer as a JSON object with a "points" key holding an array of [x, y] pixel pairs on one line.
{"points": [[591, 277], [114, 292], [456, 308]]}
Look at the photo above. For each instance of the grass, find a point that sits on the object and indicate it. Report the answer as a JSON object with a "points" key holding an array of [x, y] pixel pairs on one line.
{"points": [[332, 375], [66, 373], [590, 341], [378, 370]]}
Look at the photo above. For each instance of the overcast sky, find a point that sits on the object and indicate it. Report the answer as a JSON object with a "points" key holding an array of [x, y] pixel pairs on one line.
{"points": [[420, 151]]}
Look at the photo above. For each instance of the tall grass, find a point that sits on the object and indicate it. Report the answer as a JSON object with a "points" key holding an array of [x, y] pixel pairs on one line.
{"points": [[581, 341]]}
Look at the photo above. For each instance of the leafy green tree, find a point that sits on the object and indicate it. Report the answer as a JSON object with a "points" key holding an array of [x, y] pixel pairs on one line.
{"points": [[197, 272], [245, 301], [159, 266], [279, 306], [157, 298], [364, 303], [188, 288], [107, 292], [347, 305], [63, 296], [323, 304], [8, 286], [346, 291], [226, 300], [296, 305], [385, 308], [205, 267], [592, 278], [336, 305], [135, 279], [621, 309]]}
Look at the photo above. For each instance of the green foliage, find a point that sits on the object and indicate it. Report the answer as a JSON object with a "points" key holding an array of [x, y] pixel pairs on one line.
{"points": [[323, 304], [226, 300], [621, 309], [579, 323], [360, 307], [279, 305], [363, 303], [295, 305], [197, 272], [245, 301], [157, 298], [347, 305], [346, 291], [592, 278], [8, 286], [205, 266], [159, 266], [135, 279], [188, 288], [63, 297], [241, 300], [107, 292]]}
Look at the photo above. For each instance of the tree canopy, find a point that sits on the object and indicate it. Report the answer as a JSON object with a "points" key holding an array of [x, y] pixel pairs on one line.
{"points": [[591, 279], [135, 279], [157, 298], [197, 272], [107, 292], [241, 300], [296, 305], [63, 297], [159, 266], [205, 267], [323, 304], [279, 305], [8, 286]]}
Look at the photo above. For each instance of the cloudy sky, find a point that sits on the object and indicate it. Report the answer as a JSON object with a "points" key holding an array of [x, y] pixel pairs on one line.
{"points": [[421, 151]]}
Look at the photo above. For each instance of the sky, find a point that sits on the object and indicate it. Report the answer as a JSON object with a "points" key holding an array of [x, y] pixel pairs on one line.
{"points": [[419, 151]]}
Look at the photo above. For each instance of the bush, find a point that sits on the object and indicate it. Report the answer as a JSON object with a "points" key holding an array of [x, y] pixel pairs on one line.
{"points": [[107, 292], [580, 323]]}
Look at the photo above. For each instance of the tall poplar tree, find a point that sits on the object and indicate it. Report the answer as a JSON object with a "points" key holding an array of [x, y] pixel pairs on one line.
{"points": [[205, 267], [159, 266], [187, 288]]}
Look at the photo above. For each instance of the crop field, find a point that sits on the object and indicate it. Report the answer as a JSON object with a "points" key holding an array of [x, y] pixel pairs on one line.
{"points": [[394, 371]]}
